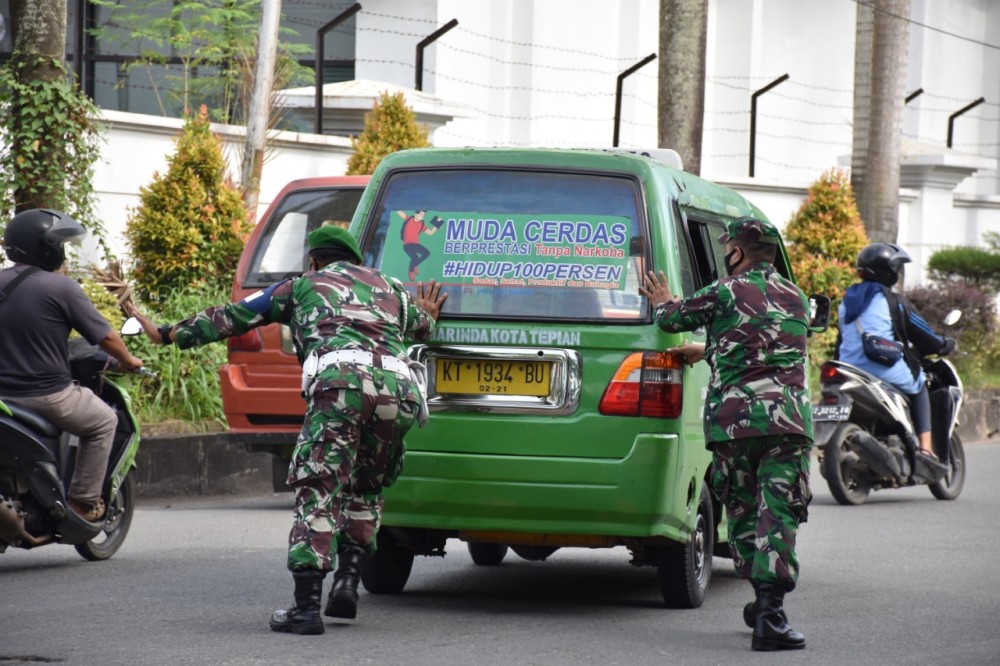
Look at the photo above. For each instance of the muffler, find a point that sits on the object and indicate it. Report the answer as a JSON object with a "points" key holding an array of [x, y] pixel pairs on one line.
{"points": [[876, 455], [12, 527]]}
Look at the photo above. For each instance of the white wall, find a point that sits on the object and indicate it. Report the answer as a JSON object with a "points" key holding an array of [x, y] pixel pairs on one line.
{"points": [[138, 146], [543, 73]]}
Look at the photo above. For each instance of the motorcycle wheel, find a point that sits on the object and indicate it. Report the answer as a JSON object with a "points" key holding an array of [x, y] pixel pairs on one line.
{"points": [[110, 540], [847, 485], [951, 485]]}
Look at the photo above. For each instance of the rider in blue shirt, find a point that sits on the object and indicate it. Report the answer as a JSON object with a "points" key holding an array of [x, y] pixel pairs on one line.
{"points": [[872, 306]]}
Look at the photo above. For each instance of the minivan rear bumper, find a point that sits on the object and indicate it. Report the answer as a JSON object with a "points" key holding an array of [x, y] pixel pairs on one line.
{"points": [[623, 498]]}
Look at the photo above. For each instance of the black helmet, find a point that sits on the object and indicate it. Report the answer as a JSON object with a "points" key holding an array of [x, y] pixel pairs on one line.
{"points": [[36, 237], [880, 262]]}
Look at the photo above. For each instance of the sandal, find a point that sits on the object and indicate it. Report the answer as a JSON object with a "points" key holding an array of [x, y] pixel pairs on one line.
{"points": [[89, 512], [928, 454]]}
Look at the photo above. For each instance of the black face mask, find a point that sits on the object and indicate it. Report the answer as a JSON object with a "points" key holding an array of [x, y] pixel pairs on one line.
{"points": [[728, 260]]}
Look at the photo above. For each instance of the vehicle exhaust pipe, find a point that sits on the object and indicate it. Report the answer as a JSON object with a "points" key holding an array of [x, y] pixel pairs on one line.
{"points": [[12, 527], [876, 455]]}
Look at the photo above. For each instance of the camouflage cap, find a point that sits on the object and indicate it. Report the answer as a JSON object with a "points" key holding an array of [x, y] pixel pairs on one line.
{"points": [[332, 236], [752, 230]]}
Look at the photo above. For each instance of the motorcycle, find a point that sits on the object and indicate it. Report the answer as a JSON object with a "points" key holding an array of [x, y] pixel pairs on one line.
{"points": [[37, 460], [866, 436]]}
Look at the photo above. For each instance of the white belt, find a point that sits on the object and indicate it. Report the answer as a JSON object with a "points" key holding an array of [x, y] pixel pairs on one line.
{"points": [[414, 371], [390, 363]]}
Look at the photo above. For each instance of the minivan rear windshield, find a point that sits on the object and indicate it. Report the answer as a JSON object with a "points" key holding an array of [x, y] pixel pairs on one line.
{"points": [[517, 244], [281, 246]]}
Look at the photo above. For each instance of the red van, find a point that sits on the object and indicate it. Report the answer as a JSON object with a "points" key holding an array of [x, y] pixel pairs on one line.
{"points": [[260, 383]]}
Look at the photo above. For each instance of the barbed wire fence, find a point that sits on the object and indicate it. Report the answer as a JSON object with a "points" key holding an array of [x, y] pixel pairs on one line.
{"points": [[803, 127]]}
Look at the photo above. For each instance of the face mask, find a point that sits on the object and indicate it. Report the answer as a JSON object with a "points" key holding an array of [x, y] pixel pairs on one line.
{"points": [[728, 260]]}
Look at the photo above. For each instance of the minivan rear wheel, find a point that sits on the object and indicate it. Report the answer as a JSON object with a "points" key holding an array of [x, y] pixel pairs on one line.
{"points": [[487, 554], [387, 571], [685, 569]]}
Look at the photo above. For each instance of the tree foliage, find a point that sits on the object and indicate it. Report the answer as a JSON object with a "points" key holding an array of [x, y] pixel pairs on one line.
{"points": [[212, 39], [389, 126], [973, 266], [51, 141], [825, 236], [190, 226]]}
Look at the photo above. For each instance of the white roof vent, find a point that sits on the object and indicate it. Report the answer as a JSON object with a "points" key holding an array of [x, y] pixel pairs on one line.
{"points": [[668, 156]]}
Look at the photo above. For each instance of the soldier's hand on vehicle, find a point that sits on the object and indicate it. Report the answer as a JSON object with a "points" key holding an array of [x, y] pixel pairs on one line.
{"points": [[691, 352], [429, 298], [655, 288], [148, 325]]}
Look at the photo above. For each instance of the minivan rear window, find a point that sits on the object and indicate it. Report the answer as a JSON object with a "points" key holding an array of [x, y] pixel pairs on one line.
{"points": [[518, 244], [281, 246]]}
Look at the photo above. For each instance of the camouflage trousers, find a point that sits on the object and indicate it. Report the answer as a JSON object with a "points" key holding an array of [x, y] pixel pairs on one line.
{"points": [[349, 449], [763, 482]]}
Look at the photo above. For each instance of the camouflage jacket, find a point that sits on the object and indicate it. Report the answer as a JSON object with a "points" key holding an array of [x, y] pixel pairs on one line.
{"points": [[756, 347], [341, 306]]}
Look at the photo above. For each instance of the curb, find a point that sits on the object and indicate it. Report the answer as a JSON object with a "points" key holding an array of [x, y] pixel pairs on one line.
{"points": [[228, 463], [213, 463]]}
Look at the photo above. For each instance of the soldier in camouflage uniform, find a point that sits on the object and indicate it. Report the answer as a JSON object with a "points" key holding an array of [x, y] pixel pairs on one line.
{"points": [[758, 418], [349, 324]]}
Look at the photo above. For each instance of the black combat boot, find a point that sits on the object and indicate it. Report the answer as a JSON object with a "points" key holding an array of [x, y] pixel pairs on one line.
{"points": [[343, 600], [750, 610], [771, 629], [303, 617]]}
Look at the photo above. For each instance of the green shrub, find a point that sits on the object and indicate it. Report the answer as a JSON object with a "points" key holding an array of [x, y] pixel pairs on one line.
{"points": [[389, 126], [186, 387], [104, 301], [824, 238], [974, 266], [978, 360], [191, 225]]}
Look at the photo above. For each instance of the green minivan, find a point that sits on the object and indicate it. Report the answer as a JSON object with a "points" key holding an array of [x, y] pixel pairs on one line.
{"points": [[557, 418]]}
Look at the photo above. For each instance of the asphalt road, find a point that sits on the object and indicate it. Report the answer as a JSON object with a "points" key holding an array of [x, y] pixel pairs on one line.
{"points": [[905, 579]]}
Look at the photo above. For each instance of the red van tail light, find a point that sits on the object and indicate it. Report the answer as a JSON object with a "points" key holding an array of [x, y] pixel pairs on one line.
{"points": [[251, 341], [646, 384]]}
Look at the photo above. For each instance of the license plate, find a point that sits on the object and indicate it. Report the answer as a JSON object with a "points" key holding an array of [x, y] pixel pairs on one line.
{"points": [[831, 412], [480, 376]]}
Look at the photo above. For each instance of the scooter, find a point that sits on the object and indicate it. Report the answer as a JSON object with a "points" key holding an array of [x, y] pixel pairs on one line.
{"points": [[867, 440], [37, 459]]}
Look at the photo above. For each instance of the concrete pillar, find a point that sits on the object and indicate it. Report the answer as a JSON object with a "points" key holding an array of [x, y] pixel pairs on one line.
{"points": [[933, 222]]}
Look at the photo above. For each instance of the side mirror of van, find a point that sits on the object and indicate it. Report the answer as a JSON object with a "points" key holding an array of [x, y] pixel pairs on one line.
{"points": [[819, 313]]}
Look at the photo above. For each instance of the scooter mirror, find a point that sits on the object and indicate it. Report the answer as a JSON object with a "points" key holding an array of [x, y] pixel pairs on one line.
{"points": [[952, 317], [131, 327], [819, 313]]}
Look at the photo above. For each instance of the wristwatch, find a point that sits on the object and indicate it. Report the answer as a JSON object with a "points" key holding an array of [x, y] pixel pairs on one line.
{"points": [[164, 332]]}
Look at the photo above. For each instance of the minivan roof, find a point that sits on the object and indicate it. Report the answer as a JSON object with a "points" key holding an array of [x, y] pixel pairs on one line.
{"points": [[688, 189]]}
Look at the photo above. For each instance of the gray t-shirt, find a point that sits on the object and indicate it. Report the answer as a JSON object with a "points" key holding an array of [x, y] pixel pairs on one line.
{"points": [[35, 322]]}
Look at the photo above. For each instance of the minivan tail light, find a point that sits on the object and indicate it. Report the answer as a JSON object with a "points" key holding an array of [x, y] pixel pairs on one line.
{"points": [[250, 341], [646, 384]]}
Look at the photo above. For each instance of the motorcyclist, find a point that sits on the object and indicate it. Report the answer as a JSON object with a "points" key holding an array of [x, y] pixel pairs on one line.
{"points": [[34, 358], [871, 306]]}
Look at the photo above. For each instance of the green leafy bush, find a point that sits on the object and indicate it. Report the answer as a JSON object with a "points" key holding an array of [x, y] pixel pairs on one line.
{"points": [[50, 146], [824, 238], [978, 360], [389, 126], [186, 387], [191, 225], [972, 265]]}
